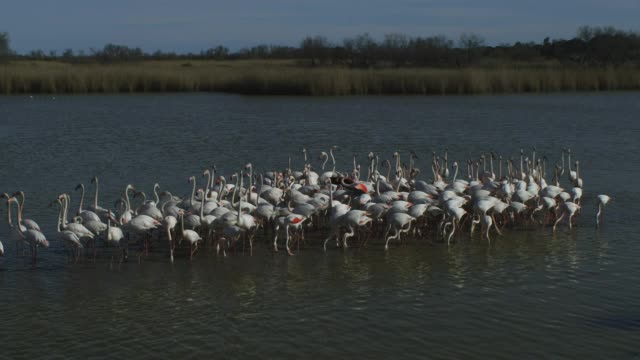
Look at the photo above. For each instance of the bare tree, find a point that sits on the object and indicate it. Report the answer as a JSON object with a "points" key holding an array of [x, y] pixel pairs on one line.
{"points": [[5, 50], [315, 49], [471, 43]]}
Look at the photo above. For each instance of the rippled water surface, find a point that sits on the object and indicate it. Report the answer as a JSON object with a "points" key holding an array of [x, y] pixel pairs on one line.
{"points": [[530, 294]]}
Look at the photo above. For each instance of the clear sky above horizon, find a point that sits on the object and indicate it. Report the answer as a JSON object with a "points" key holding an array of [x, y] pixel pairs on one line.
{"points": [[192, 25]]}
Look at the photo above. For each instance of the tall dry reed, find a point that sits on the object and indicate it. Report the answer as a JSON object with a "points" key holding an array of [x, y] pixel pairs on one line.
{"points": [[286, 78]]}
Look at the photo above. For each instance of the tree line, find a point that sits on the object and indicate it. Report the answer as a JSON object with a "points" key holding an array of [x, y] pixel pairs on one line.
{"points": [[592, 45]]}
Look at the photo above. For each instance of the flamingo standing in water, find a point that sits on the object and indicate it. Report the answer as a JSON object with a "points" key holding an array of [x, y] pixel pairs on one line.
{"points": [[32, 237], [287, 222], [28, 223], [115, 238], [191, 236], [601, 202], [69, 238], [567, 208], [291, 198], [170, 224]]}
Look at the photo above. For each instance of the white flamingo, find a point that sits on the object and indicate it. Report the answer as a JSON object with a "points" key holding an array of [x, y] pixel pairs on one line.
{"points": [[601, 202], [191, 236], [28, 223]]}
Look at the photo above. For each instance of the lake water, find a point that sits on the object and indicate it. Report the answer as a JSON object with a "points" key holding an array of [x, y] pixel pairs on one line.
{"points": [[530, 294]]}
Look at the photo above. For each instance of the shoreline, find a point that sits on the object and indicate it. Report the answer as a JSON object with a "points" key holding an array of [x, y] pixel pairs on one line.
{"points": [[285, 77]]}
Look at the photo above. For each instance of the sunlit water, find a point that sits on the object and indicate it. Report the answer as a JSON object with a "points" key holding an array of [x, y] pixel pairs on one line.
{"points": [[529, 294]]}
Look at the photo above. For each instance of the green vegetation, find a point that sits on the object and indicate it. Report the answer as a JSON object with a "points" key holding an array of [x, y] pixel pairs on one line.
{"points": [[596, 59]]}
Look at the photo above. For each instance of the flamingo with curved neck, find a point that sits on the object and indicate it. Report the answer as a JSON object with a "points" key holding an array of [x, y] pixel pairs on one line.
{"points": [[28, 223]]}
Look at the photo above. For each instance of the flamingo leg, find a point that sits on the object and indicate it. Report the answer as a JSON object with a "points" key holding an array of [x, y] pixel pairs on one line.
{"points": [[495, 224], [557, 221], [453, 230]]}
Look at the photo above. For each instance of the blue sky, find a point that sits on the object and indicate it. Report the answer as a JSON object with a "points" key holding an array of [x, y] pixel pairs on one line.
{"points": [[191, 25]]}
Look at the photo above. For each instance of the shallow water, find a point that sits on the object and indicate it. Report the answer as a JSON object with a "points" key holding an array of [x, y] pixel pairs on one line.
{"points": [[529, 294]]}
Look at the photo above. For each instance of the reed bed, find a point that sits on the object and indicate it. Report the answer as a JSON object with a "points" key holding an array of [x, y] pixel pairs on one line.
{"points": [[263, 77]]}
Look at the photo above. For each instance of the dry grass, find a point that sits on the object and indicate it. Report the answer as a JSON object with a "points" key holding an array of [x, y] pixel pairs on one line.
{"points": [[286, 78]]}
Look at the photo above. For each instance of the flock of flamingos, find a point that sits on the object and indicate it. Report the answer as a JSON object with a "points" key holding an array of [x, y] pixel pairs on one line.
{"points": [[346, 208]]}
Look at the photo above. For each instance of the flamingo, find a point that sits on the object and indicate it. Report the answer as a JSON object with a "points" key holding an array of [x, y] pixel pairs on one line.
{"points": [[115, 238], [295, 199], [87, 215], [141, 225], [191, 236], [397, 222], [28, 223], [170, 224], [69, 238], [353, 220], [286, 222], [601, 202], [102, 212], [127, 215], [78, 229], [567, 208], [32, 237]]}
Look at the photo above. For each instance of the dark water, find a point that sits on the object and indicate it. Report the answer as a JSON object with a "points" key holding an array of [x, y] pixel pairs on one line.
{"points": [[529, 295]]}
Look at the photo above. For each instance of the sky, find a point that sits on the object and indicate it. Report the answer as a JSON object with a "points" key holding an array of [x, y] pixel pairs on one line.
{"points": [[193, 25]]}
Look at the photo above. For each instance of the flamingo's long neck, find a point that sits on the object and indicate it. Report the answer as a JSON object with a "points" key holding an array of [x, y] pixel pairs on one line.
{"points": [[240, 200], [204, 197], [251, 179], [208, 186], [193, 190], [155, 192], [20, 205], [445, 167], [533, 157], [333, 159], [81, 199], [455, 174], [223, 185], [126, 197], [370, 169], [326, 158], [20, 232], [66, 211]]}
